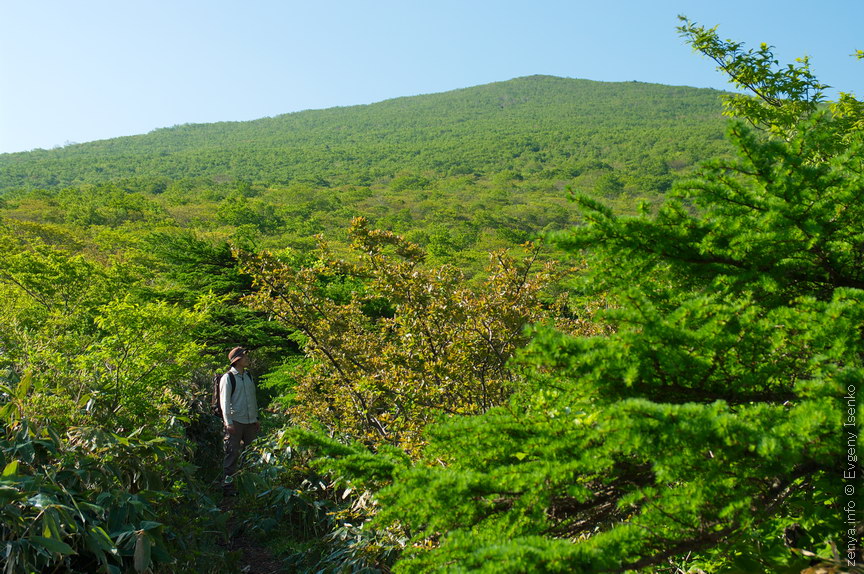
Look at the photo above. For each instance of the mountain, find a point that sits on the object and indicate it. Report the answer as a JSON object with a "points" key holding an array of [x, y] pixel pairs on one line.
{"points": [[538, 126]]}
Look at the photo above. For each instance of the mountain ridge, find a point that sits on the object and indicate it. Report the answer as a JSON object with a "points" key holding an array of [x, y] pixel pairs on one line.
{"points": [[480, 129]]}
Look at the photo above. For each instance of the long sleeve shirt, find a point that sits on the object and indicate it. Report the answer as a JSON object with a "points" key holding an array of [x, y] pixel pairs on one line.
{"points": [[241, 405]]}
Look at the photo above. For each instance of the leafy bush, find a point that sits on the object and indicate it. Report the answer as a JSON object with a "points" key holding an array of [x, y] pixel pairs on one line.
{"points": [[319, 524], [394, 345], [90, 500]]}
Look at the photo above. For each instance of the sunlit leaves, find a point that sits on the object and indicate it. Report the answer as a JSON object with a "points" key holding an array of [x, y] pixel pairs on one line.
{"points": [[395, 344], [89, 498], [782, 96]]}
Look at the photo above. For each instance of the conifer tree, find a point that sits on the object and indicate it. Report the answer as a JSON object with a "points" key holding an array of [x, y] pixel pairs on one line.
{"points": [[716, 428]]}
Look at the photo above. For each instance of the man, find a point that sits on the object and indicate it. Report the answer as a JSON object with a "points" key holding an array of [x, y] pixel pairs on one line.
{"points": [[239, 413]]}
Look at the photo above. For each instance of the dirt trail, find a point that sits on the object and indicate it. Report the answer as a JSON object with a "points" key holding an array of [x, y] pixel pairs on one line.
{"points": [[255, 557]]}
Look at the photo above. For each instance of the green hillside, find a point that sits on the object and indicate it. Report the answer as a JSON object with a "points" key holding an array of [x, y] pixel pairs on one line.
{"points": [[460, 173], [540, 125]]}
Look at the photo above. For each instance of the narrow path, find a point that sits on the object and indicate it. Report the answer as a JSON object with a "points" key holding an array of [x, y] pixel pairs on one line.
{"points": [[255, 557]]}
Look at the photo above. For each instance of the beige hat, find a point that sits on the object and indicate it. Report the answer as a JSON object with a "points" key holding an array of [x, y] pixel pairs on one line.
{"points": [[236, 353]]}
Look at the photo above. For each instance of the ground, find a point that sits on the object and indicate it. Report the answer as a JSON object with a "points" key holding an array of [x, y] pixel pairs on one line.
{"points": [[255, 558]]}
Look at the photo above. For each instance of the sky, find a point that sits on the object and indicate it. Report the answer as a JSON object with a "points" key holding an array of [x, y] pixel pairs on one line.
{"points": [[73, 72]]}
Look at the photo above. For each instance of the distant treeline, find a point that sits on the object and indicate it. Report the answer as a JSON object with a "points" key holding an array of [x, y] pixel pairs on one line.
{"points": [[539, 126]]}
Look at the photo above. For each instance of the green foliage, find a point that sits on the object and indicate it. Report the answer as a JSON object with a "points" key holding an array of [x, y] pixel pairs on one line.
{"points": [[197, 269], [105, 205], [135, 367], [237, 211], [97, 355], [710, 423], [318, 524], [394, 345], [465, 173], [779, 97], [87, 501], [99, 391], [461, 174], [540, 127]]}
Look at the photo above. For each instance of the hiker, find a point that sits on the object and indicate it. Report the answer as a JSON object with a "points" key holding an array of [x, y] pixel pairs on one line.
{"points": [[239, 413]]}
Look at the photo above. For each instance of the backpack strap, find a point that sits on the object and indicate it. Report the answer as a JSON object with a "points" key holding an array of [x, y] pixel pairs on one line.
{"points": [[233, 387], [233, 382]]}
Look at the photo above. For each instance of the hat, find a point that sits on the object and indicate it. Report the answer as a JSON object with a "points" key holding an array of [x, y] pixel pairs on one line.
{"points": [[236, 353]]}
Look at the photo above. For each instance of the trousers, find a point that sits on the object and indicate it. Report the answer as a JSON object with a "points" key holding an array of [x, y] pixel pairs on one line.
{"points": [[235, 444]]}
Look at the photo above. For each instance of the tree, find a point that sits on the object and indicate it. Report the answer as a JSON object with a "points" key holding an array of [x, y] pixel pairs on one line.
{"points": [[95, 352], [710, 429], [192, 266], [395, 345]]}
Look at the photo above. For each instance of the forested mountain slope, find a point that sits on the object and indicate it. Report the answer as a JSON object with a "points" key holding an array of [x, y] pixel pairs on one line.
{"points": [[536, 126]]}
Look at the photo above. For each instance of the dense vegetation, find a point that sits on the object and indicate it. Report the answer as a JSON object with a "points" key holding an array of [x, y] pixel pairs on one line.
{"points": [[667, 382], [461, 173], [548, 126]]}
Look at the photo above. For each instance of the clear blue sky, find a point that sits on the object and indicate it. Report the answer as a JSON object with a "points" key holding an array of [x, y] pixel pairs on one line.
{"points": [[77, 71]]}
